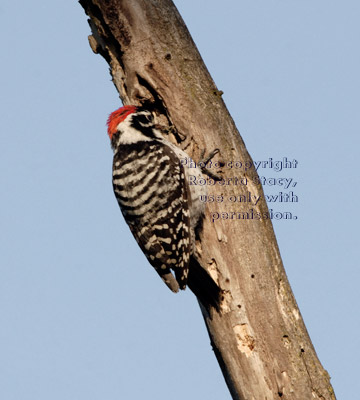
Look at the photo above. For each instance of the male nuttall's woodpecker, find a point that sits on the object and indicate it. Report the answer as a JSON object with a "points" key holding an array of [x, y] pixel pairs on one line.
{"points": [[152, 188]]}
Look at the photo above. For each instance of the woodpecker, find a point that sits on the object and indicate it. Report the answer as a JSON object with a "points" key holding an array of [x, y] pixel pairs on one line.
{"points": [[151, 185]]}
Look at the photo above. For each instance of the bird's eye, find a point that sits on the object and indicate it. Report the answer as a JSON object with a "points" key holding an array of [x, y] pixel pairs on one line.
{"points": [[145, 118], [149, 117]]}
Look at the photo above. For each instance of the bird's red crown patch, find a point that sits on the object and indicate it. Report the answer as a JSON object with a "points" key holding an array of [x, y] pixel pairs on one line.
{"points": [[118, 116]]}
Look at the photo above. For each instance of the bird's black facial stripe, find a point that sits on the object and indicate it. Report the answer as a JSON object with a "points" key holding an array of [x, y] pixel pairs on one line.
{"points": [[144, 119], [144, 123]]}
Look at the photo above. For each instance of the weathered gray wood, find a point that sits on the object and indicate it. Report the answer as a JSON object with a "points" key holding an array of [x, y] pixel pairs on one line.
{"points": [[257, 332]]}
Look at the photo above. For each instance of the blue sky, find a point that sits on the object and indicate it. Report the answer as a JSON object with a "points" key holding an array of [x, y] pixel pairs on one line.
{"points": [[82, 315]]}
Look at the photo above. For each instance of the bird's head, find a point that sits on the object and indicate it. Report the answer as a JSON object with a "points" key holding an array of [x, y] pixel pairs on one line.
{"points": [[131, 124]]}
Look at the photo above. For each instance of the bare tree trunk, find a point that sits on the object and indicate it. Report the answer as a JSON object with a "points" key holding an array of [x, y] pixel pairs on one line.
{"points": [[256, 329]]}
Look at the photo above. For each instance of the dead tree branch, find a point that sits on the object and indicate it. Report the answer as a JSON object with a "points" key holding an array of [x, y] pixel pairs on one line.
{"points": [[255, 327]]}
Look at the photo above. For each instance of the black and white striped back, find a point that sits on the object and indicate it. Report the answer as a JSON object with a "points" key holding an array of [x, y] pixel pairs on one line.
{"points": [[150, 187]]}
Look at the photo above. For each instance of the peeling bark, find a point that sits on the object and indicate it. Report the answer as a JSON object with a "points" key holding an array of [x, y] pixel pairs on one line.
{"points": [[254, 324]]}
